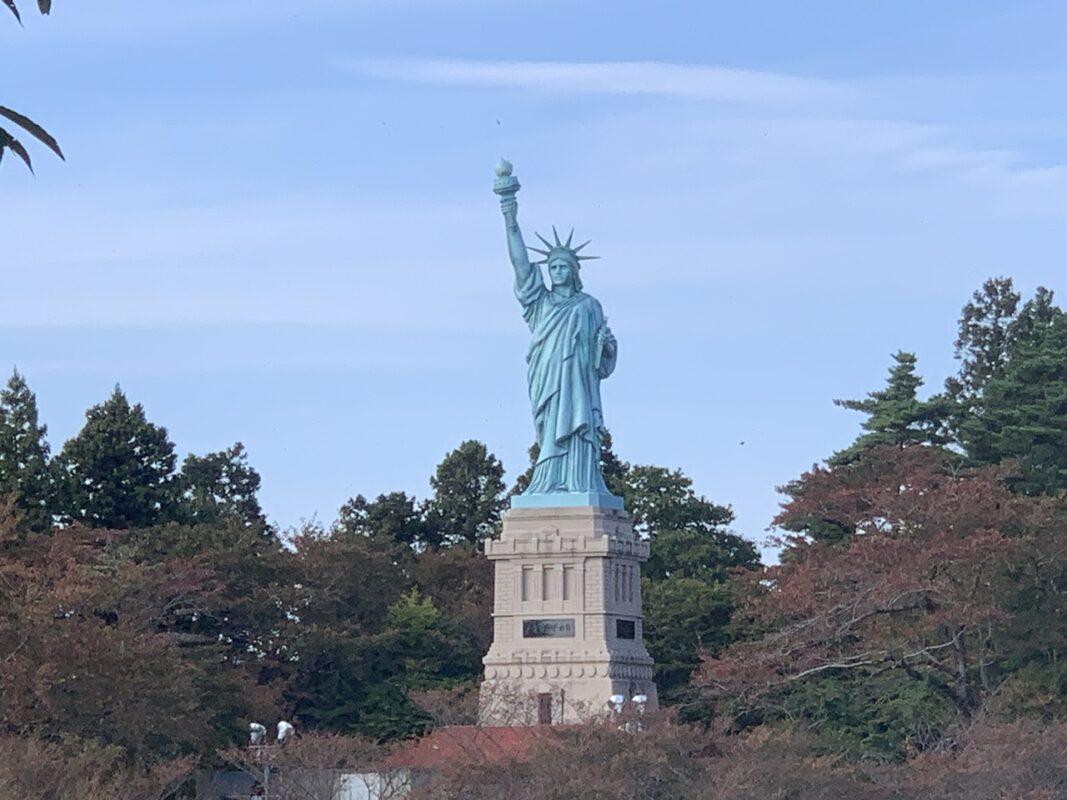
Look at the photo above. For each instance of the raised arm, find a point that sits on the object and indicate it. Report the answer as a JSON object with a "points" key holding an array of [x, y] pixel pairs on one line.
{"points": [[520, 260]]}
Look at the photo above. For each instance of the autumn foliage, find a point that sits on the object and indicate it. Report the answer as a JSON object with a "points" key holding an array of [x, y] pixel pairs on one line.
{"points": [[916, 587]]}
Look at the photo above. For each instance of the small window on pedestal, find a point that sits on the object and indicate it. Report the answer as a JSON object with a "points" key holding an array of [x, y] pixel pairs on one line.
{"points": [[625, 629]]}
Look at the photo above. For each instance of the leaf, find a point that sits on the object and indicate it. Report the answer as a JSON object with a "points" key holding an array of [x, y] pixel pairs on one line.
{"points": [[45, 6], [10, 142], [32, 128], [14, 9]]}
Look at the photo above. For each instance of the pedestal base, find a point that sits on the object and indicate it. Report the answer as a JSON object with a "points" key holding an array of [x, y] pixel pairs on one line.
{"points": [[567, 622]]}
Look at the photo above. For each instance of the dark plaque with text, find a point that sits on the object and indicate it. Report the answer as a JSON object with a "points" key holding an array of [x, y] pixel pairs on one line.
{"points": [[541, 628]]}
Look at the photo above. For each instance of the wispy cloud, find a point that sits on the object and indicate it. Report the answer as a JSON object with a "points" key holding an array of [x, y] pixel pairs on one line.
{"points": [[620, 77], [821, 118]]}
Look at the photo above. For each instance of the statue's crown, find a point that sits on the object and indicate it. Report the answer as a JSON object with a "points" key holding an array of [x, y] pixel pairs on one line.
{"points": [[561, 248]]}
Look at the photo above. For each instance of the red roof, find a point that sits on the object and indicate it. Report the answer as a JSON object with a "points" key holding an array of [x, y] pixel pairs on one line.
{"points": [[470, 743]]}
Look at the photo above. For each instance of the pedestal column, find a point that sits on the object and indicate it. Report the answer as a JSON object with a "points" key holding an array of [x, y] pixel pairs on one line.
{"points": [[567, 622]]}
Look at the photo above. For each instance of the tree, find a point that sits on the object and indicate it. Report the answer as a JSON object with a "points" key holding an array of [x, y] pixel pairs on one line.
{"points": [[985, 336], [118, 472], [992, 330], [684, 619], [92, 649], [660, 499], [7, 140], [895, 415], [220, 486], [346, 669], [1021, 414], [459, 581], [468, 495], [394, 517], [32, 769], [916, 594], [24, 452], [1037, 314], [686, 590]]}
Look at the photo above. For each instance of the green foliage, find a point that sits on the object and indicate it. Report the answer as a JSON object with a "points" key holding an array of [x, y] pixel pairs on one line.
{"points": [[1021, 414], [814, 527], [895, 415], [416, 633], [992, 327], [468, 496], [343, 668], [685, 617], [687, 599], [365, 636], [24, 452], [459, 581], [118, 472], [985, 336], [709, 555], [394, 517], [412, 615], [660, 499], [349, 686], [219, 486], [864, 715]]}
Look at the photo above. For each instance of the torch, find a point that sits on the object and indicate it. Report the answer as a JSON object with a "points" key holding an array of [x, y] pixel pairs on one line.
{"points": [[506, 185]]}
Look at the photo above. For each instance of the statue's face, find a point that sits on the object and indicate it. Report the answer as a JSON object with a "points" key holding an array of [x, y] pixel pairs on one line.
{"points": [[561, 271]]}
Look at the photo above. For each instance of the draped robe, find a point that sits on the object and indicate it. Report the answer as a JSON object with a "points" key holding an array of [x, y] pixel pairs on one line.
{"points": [[564, 367]]}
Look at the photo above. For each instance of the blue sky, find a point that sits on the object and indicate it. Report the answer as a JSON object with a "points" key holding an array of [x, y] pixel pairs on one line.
{"points": [[275, 223]]}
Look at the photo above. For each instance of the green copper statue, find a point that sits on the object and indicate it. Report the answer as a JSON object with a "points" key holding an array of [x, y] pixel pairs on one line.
{"points": [[571, 351]]}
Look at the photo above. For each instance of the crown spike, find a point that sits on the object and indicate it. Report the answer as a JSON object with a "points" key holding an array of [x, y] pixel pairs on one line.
{"points": [[556, 235], [545, 241], [570, 238], [579, 248], [587, 258], [538, 250]]}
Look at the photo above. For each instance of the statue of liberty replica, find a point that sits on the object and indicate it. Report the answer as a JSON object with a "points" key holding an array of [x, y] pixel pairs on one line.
{"points": [[571, 351], [567, 625]]}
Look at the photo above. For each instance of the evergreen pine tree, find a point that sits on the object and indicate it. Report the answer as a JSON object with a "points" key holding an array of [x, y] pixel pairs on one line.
{"points": [[24, 452], [220, 486], [1022, 414], [895, 414], [992, 327], [985, 335], [1037, 314], [118, 472]]}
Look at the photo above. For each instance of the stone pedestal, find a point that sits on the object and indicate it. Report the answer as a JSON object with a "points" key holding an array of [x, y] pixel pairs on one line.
{"points": [[567, 624]]}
